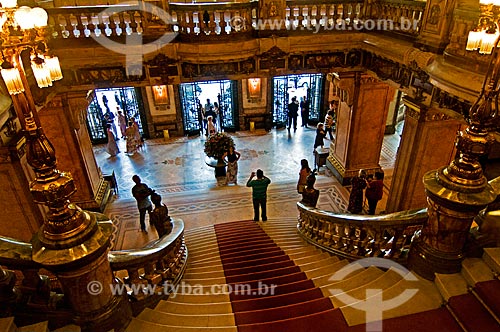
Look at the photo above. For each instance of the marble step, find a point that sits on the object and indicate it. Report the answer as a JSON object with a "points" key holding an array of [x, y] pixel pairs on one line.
{"points": [[194, 308], [7, 324], [202, 238], [357, 278], [37, 327], [141, 325], [451, 285], [203, 261], [68, 328], [305, 254], [328, 261], [421, 295], [200, 242], [322, 271], [213, 273], [206, 281], [314, 256], [353, 295], [188, 320], [475, 270], [212, 267], [213, 261], [205, 296], [203, 254], [491, 257]]}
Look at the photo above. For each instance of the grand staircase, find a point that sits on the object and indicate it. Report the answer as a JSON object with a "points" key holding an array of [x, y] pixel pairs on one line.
{"points": [[246, 276]]}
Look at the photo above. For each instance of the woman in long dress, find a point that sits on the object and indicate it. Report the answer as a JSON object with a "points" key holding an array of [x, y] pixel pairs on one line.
{"points": [[111, 147], [305, 170], [131, 138], [138, 139], [122, 122], [232, 157]]}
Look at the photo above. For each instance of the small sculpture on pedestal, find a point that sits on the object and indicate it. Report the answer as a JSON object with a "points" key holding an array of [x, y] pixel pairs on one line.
{"points": [[310, 195]]}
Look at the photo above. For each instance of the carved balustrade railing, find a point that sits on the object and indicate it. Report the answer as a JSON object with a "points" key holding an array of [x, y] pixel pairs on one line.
{"points": [[96, 21], [406, 16], [216, 19], [323, 16], [359, 236], [142, 272], [222, 19], [150, 271]]}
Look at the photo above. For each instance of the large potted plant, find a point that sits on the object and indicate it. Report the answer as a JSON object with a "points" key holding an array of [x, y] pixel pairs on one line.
{"points": [[215, 147]]}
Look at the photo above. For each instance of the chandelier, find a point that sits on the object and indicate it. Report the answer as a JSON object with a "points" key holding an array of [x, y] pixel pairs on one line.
{"points": [[24, 28]]}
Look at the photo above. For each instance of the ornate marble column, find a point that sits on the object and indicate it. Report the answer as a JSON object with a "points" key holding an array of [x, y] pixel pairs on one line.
{"points": [[457, 192], [361, 118], [64, 122], [427, 143]]}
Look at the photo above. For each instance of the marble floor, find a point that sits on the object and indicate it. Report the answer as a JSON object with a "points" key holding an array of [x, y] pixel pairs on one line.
{"points": [[176, 169]]}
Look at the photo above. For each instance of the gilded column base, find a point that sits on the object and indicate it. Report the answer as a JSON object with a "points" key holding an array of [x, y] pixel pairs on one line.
{"points": [[426, 261], [341, 174], [113, 317], [85, 274]]}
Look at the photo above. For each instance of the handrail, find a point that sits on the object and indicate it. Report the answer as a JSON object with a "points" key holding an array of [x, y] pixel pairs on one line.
{"points": [[358, 236], [121, 259], [162, 261], [215, 20], [158, 263]]}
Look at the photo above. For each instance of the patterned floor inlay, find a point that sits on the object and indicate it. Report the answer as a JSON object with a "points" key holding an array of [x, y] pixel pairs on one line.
{"points": [[176, 169]]}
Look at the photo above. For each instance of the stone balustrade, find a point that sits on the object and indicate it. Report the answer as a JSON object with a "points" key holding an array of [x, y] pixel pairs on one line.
{"points": [[359, 236], [24, 284], [406, 15], [213, 19], [222, 19], [96, 21], [159, 264], [323, 16]]}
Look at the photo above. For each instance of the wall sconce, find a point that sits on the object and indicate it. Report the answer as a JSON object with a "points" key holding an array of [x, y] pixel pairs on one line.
{"points": [[254, 87], [486, 33], [160, 94]]}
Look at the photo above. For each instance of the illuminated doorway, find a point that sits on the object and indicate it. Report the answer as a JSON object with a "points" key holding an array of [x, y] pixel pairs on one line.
{"points": [[287, 87], [194, 98]]}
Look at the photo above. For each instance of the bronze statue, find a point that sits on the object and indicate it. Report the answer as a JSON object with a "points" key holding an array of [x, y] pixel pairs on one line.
{"points": [[310, 195]]}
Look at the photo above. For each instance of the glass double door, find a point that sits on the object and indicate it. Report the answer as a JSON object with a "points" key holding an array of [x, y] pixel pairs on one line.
{"points": [[199, 97], [127, 100], [299, 86]]}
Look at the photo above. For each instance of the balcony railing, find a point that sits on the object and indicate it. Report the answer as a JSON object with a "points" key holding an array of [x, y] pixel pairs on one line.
{"points": [[360, 236], [223, 19], [160, 262]]}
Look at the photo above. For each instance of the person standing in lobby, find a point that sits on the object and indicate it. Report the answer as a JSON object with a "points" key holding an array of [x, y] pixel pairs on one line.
{"points": [[304, 172], [293, 112], [304, 111], [259, 194], [358, 184], [231, 157], [374, 191], [141, 193]]}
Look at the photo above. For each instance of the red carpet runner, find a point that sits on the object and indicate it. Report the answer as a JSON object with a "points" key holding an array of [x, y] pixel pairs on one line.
{"points": [[251, 258]]}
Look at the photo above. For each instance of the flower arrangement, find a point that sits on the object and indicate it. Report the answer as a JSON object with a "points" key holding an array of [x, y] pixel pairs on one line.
{"points": [[218, 144]]}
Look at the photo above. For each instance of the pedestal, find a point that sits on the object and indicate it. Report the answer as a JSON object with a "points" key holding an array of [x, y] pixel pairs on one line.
{"points": [[85, 275], [219, 169], [320, 155]]}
